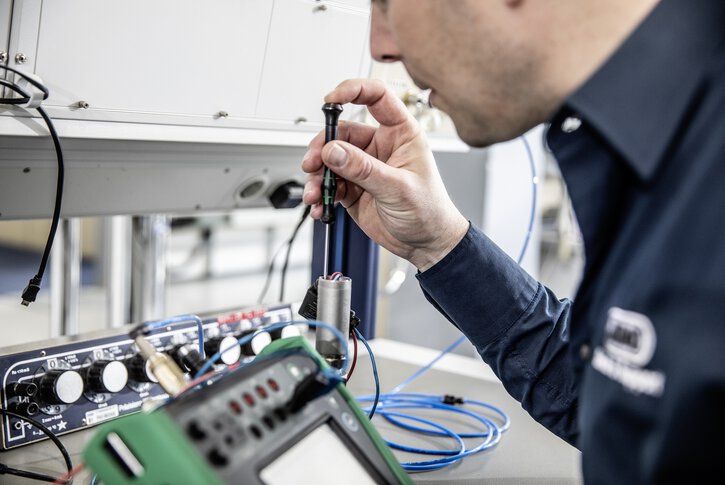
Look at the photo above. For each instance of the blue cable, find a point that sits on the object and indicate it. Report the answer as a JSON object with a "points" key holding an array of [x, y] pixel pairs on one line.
{"points": [[491, 436], [93, 480], [153, 325], [430, 364], [278, 326], [443, 429], [424, 399], [371, 413], [534, 191]]}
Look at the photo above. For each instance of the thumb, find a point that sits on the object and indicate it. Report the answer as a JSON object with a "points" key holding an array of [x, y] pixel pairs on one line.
{"points": [[358, 167]]}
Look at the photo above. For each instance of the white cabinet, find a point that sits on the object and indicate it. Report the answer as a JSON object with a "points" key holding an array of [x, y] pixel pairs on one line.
{"points": [[246, 64], [311, 49], [176, 61]]}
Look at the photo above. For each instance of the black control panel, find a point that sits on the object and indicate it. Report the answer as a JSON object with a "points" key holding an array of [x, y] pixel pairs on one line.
{"points": [[73, 383]]}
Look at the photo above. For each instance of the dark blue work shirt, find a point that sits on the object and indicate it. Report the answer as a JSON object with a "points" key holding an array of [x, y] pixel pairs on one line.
{"points": [[632, 371]]}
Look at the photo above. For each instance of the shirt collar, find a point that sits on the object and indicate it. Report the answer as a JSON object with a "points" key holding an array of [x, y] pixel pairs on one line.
{"points": [[637, 100]]}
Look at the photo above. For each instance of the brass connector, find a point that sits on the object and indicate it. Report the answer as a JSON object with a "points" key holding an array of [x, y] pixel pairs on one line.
{"points": [[171, 377]]}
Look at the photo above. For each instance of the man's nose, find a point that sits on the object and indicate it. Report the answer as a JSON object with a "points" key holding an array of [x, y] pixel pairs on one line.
{"points": [[382, 45]]}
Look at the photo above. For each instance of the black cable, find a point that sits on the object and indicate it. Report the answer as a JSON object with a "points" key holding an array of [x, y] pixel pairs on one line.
{"points": [[25, 96], [31, 291], [268, 278], [288, 242], [4, 469], [305, 213], [33, 287]]}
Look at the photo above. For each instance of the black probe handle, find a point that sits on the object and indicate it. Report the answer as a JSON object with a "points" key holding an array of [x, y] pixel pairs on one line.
{"points": [[329, 179]]}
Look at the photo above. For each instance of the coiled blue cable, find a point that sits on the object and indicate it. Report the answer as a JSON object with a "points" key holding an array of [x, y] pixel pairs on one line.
{"points": [[432, 424], [490, 436]]}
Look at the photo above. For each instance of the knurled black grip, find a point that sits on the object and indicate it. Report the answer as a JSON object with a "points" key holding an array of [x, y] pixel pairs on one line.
{"points": [[329, 179]]}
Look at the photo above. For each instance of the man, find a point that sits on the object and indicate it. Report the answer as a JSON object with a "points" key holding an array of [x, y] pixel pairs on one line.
{"points": [[633, 371]]}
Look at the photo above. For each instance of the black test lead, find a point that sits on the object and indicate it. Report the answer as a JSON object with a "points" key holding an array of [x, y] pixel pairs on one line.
{"points": [[329, 179]]}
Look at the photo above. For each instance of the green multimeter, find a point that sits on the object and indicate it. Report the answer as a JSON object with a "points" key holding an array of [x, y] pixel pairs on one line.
{"points": [[281, 419]]}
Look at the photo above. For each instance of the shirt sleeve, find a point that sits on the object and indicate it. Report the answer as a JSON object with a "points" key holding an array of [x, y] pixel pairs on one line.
{"points": [[517, 325]]}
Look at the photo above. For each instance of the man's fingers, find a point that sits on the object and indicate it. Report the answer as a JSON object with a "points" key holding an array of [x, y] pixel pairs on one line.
{"points": [[382, 103], [313, 189], [316, 211], [358, 134], [358, 167]]}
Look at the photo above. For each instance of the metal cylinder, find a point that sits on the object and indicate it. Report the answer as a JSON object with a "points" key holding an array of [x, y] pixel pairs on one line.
{"points": [[65, 279], [333, 308]]}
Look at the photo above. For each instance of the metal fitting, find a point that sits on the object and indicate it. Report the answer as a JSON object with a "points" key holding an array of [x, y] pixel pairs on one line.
{"points": [[333, 308]]}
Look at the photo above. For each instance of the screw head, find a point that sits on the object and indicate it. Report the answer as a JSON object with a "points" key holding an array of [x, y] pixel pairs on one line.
{"points": [[3, 56], [332, 113], [21, 58]]}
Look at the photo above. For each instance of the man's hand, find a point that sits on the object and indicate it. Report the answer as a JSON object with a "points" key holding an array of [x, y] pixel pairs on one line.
{"points": [[389, 181]]}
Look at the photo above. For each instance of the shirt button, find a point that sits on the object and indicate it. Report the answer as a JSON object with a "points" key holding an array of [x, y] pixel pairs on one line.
{"points": [[571, 124], [585, 351]]}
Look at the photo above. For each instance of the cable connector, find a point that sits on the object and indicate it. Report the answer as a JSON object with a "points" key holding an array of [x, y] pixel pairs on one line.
{"points": [[310, 388], [308, 308], [31, 291], [452, 400], [171, 378], [354, 320], [142, 329]]}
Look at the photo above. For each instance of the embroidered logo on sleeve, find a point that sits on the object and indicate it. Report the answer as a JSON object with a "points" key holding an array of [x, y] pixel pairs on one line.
{"points": [[629, 344]]}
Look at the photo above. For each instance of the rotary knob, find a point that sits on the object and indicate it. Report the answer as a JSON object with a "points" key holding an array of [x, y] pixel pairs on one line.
{"points": [[60, 387], [255, 346], [231, 351], [139, 369], [106, 376], [285, 332], [187, 358]]}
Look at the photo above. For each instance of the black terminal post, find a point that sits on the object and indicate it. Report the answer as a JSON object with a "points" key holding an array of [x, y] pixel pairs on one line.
{"points": [[329, 179]]}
